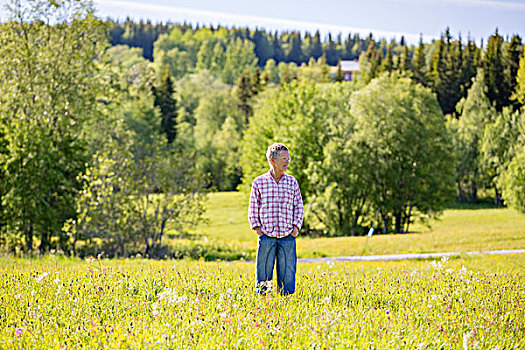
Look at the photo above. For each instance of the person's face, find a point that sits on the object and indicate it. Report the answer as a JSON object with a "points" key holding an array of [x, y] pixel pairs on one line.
{"points": [[281, 162]]}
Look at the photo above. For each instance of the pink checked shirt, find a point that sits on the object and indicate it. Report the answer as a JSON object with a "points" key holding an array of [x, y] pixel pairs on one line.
{"points": [[275, 207]]}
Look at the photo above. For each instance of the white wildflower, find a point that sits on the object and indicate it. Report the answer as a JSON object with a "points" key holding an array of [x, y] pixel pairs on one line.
{"points": [[41, 277], [466, 337], [171, 297], [327, 300]]}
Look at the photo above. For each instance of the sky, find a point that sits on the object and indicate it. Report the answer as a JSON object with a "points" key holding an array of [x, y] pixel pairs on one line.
{"points": [[386, 19]]}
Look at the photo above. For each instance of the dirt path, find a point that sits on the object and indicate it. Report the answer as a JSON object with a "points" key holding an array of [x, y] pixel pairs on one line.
{"points": [[407, 256]]}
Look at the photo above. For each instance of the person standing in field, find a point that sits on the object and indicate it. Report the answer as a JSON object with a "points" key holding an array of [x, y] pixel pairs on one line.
{"points": [[276, 213]]}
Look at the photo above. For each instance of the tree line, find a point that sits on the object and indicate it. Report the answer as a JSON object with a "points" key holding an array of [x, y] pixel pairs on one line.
{"points": [[103, 149], [288, 46]]}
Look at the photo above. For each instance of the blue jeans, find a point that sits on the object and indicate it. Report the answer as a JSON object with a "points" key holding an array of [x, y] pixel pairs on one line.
{"points": [[268, 249]]}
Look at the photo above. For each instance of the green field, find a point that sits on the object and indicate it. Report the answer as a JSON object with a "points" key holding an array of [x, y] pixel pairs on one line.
{"points": [[465, 228], [464, 303]]}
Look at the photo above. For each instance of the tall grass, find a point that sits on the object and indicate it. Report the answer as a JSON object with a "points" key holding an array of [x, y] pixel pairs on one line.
{"points": [[461, 303]]}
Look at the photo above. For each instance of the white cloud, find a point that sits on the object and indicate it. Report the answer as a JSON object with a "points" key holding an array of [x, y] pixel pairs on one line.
{"points": [[491, 4], [121, 9]]}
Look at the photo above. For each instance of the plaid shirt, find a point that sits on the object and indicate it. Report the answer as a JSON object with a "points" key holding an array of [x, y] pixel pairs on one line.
{"points": [[275, 207]]}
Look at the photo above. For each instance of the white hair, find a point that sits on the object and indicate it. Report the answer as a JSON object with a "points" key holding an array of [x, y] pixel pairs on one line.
{"points": [[274, 150]]}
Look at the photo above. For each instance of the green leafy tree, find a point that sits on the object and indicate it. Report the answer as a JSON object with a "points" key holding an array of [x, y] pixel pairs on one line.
{"points": [[402, 129], [49, 94], [218, 59], [475, 113], [337, 204], [239, 56], [512, 179], [132, 192], [270, 73], [169, 51], [497, 148], [295, 114], [205, 55], [211, 115]]}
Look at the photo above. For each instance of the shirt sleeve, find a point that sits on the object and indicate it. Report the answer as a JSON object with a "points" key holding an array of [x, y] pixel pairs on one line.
{"points": [[298, 208], [253, 208]]}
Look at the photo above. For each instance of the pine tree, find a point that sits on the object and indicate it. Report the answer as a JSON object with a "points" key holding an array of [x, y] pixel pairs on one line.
{"points": [[370, 63], [419, 67], [403, 64], [256, 81], [263, 48], [495, 72], [167, 104], [330, 51], [278, 54], [296, 53], [339, 76], [317, 48], [388, 63], [244, 92], [519, 94], [348, 47], [511, 60], [445, 74], [470, 63]]}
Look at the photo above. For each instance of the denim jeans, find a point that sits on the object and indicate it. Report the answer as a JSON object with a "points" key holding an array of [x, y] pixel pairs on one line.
{"points": [[270, 249]]}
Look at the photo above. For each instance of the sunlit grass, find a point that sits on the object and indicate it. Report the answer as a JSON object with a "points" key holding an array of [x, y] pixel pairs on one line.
{"points": [[457, 230], [474, 302]]}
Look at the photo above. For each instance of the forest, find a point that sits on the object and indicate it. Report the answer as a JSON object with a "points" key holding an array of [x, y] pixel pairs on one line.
{"points": [[112, 133]]}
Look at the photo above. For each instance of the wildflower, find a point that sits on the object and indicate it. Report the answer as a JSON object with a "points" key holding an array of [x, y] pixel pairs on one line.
{"points": [[466, 337], [19, 331], [41, 277], [57, 280]]}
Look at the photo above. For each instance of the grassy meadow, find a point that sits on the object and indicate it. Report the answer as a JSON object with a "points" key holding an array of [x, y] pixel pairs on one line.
{"points": [[461, 228], [464, 303]]}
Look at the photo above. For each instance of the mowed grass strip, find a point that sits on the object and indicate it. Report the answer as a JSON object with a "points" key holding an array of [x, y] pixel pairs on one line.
{"points": [[53, 302], [468, 228]]}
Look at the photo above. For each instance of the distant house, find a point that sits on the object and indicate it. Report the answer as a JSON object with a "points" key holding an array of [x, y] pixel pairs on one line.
{"points": [[350, 70]]}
